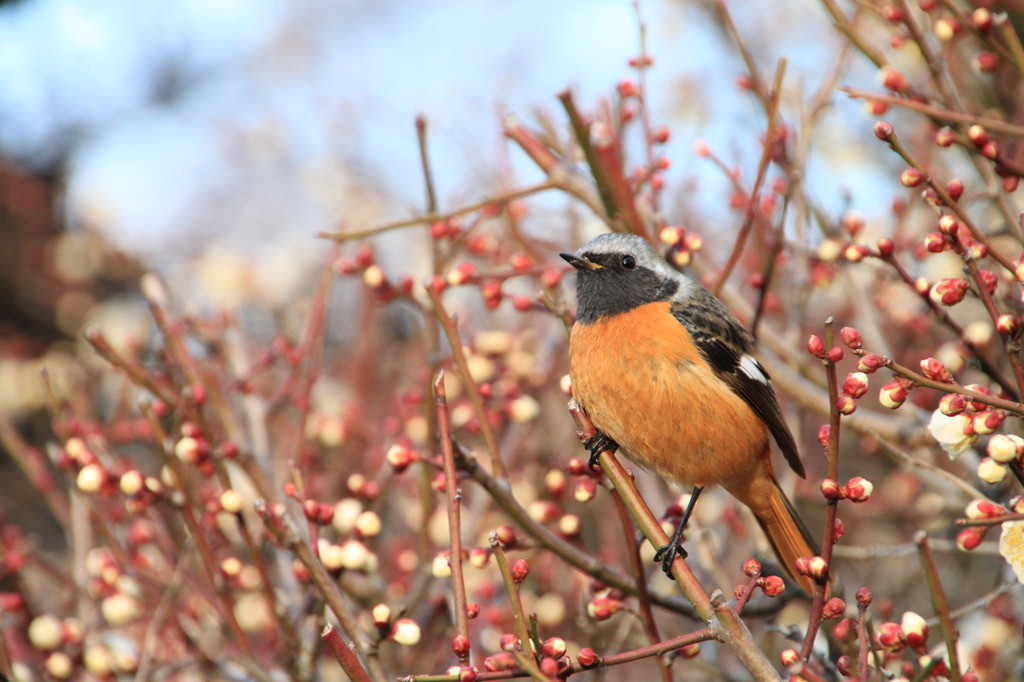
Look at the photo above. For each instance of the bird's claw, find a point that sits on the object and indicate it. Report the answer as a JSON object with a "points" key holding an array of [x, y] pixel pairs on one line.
{"points": [[667, 555], [597, 444]]}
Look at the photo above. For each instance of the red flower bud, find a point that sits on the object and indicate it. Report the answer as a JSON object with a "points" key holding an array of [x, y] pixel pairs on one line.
{"points": [[815, 346], [863, 597], [520, 569], [949, 291], [911, 177], [751, 568], [831, 489], [986, 62], [851, 337], [952, 404], [892, 395], [856, 384], [955, 189], [944, 137], [845, 630], [935, 370], [976, 133], [870, 363], [969, 538], [587, 658], [890, 637], [833, 608], [772, 585], [886, 247], [460, 645], [835, 354], [1007, 324], [883, 131], [858, 489], [845, 405]]}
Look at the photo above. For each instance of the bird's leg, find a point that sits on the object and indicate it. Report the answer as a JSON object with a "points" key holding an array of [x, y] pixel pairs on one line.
{"points": [[597, 444], [667, 554]]}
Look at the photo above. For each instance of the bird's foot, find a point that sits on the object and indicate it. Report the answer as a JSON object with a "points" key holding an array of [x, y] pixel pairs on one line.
{"points": [[667, 554], [597, 444]]}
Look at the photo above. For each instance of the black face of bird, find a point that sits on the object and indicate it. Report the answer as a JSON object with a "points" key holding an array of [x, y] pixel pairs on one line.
{"points": [[616, 274]]}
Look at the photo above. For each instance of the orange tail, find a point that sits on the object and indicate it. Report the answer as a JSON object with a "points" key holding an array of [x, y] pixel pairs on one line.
{"points": [[787, 534]]}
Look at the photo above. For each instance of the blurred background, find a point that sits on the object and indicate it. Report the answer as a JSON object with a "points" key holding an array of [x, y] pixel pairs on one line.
{"points": [[211, 141]]}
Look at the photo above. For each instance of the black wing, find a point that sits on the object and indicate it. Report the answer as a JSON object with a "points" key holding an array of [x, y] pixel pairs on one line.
{"points": [[726, 345]]}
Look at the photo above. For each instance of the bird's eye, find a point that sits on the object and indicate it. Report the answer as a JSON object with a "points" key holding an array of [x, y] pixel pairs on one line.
{"points": [[628, 262]]}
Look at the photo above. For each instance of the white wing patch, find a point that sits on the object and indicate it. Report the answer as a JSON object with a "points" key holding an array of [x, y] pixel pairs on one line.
{"points": [[753, 369]]}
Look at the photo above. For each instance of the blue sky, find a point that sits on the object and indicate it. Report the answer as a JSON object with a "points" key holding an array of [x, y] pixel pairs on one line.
{"points": [[261, 122]]}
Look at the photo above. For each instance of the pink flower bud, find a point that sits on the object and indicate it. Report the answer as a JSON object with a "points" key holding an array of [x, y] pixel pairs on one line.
{"points": [[952, 404], [863, 597], [870, 363], [983, 19], [587, 658], [815, 346], [911, 177], [751, 568], [955, 189], [508, 642], [892, 395], [460, 645], [947, 28], [833, 608], [944, 137], [892, 79], [506, 535], [831, 489], [851, 337], [883, 131], [660, 134], [858, 489], [772, 585], [845, 630], [935, 370], [969, 538], [499, 662], [987, 421], [976, 133], [855, 253], [915, 629], [990, 150], [603, 608], [936, 242], [846, 405], [824, 432], [886, 247], [980, 509], [986, 62], [554, 647], [949, 291], [520, 569], [1007, 324], [856, 384], [890, 637], [790, 657]]}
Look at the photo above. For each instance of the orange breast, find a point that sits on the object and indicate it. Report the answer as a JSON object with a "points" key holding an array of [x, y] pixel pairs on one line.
{"points": [[645, 385]]}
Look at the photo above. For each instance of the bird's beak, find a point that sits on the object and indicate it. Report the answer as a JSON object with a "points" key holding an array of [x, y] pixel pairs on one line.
{"points": [[580, 263]]}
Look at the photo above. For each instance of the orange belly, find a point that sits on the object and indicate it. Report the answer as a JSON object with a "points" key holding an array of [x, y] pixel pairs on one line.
{"points": [[646, 386]]}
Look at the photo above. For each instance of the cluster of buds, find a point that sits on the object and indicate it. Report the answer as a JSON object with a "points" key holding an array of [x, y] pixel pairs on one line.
{"points": [[959, 420], [911, 631], [771, 585], [857, 489], [984, 510], [1003, 450], [854, 386], [683, 244], [816, 347]]}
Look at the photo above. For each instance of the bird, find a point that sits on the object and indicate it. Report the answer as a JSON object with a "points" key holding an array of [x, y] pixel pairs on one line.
{"points": [[665, 373]]}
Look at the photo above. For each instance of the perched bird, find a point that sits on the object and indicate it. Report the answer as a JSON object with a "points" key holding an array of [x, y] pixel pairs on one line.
{"points": [[665, 372]]}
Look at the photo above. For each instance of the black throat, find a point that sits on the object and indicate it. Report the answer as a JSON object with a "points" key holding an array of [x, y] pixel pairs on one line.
{"points": [[606, 292]]}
